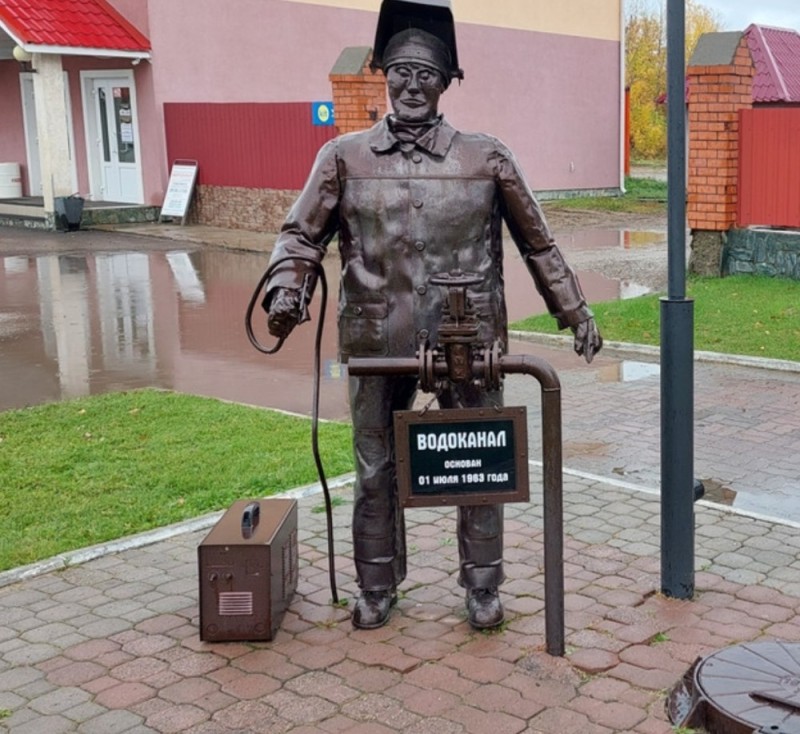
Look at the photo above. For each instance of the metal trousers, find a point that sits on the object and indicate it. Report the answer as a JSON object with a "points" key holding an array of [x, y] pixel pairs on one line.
{"points": [[379, 546]]}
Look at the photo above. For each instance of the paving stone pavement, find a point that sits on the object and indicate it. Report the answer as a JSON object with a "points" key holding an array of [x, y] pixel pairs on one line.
{"points": [[112, 646], [746, 428]]}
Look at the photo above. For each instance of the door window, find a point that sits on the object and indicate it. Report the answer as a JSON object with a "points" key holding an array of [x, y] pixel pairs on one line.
{"points": [[123, 121], [101, 101]]}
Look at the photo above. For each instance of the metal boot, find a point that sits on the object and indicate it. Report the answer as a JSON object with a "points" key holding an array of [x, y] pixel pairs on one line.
{"points": [[484, 609]]}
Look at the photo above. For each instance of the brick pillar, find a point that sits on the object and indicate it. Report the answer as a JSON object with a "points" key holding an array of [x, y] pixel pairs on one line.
{"points": [[359, 95], [716, 94]]}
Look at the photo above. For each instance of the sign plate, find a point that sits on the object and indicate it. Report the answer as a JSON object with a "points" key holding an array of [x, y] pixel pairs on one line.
{"points": [[322, 113], [179, 190], [464, 456]]}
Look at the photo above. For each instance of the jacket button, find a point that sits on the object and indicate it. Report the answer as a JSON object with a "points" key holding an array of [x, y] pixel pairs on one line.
{"points": [[417, 203], [357, 310], [422, 290], [417, 158], [419, 245]]}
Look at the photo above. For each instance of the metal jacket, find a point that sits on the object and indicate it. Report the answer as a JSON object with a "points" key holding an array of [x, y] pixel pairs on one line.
{"points": [[407, 211]]}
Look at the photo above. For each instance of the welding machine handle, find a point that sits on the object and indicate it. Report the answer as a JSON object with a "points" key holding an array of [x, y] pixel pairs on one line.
{"points": [[250, 517]]}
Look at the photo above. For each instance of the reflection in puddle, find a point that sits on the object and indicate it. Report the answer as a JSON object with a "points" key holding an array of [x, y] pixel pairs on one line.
{"points": [[11, 324], [628, 289], [78, 324], [125, 298], [15, 264], [640, 238], [186, 278], [715, 491], [628, 371], [93, 321], [609, 239]]}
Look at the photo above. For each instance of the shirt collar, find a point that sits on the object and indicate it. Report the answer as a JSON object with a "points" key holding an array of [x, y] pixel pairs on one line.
{"points": [[436, 141]]}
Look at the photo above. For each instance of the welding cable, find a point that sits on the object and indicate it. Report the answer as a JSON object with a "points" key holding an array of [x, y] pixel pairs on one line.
{"points": [[248, 323]]}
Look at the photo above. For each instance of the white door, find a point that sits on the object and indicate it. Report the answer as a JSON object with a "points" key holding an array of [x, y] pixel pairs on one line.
{"points": [[32, 135], [113, 138]]}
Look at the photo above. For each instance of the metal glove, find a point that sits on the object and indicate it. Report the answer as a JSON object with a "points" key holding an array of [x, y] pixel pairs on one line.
{"points": [[588, 341]]}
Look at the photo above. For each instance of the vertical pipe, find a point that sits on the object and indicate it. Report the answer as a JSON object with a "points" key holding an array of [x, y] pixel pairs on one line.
{"points": [[624, 103], [553, 502], [553, 521], [677, 366], [627, 135]]}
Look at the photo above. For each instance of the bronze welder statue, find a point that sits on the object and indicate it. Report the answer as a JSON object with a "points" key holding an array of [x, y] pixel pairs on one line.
{"points": [[411, 197]]}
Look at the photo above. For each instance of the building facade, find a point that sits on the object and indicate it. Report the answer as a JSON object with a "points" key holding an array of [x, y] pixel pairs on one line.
{"points": [[743, 188], [103, 109]]}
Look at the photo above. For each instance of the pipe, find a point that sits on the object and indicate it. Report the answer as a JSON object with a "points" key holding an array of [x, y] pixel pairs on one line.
{"points": [[553, 482], [551, 460]]}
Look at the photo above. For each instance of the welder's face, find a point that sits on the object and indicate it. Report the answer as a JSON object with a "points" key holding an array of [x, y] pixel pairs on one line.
{"points": [[414, 91]]}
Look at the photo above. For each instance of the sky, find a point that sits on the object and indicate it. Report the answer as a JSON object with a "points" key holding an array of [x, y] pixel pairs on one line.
{"points": [[736, 15]]}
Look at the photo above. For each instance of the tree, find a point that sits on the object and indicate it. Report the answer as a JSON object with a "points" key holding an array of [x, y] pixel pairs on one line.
{"points": [[646, 68]]}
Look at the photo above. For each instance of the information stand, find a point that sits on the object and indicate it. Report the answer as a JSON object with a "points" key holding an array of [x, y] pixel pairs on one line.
{"points": [[179, 190], [464, 456]]}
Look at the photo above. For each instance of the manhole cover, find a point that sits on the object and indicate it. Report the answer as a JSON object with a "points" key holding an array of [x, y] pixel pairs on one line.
{"points": [[747, 689]]}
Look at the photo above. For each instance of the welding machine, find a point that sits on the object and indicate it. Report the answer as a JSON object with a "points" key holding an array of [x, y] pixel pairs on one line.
{"points": [[247, 567]]}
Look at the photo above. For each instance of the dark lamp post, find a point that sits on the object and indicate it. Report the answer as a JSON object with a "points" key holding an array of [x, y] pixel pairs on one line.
{"points": [[677, 326]]}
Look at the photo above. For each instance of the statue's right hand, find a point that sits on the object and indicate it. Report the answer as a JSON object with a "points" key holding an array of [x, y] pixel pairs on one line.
{"points": [[285, 312]]}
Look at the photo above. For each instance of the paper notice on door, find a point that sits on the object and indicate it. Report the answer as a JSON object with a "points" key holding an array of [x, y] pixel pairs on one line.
{"points": [[126, 132]]}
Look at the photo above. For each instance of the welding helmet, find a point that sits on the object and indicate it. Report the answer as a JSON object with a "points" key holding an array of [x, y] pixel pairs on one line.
{"points": [[395, 41]]}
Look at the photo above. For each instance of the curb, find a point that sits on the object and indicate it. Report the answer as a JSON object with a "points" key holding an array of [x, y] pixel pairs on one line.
{"points": [[64, 560], [626, 349]]}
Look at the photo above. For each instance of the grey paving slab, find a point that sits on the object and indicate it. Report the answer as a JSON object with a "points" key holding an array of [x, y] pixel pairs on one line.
{"points": [[426, 670], [110, 642]]}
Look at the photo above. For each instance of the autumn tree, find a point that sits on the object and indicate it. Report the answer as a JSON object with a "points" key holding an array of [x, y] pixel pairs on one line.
{"points": [[646, 68]]}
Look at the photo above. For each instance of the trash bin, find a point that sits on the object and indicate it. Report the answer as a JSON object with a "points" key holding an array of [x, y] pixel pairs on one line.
{"points": [[68, 212]]}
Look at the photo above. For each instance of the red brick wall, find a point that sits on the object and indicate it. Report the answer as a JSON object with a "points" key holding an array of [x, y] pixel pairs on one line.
{"points": [[716, 94], [359, 100]]}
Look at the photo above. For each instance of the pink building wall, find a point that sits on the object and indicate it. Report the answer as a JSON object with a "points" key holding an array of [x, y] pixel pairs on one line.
{"points": [[553, 98], [135, 12], [12, 132]]}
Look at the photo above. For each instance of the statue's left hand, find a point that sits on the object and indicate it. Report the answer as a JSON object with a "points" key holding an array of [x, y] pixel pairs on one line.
{"points": [[588, 341]]}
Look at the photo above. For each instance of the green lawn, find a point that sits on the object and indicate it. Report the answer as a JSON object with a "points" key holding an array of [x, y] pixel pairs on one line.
{"points": [[642, 196], [743, 314], [82, 472]]}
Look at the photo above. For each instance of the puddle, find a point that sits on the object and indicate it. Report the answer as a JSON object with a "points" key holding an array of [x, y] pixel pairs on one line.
{"points": [[609, 239], [629, 371], [716, 491], [88, 321], [93, 320]]}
